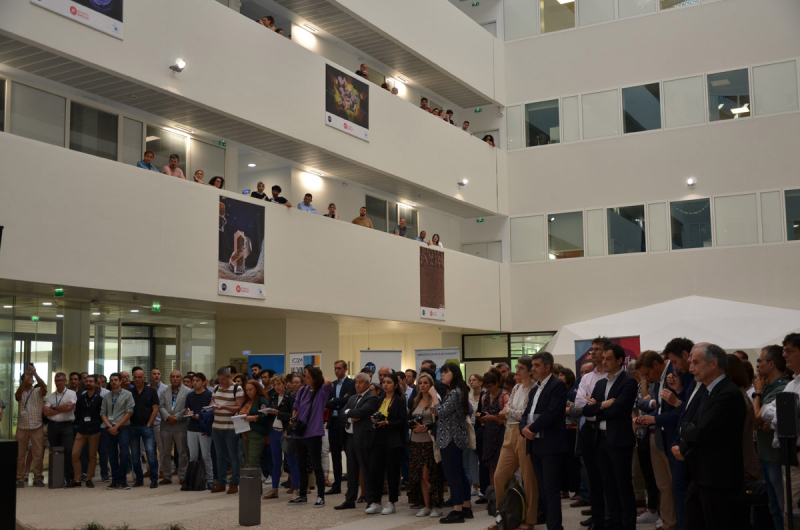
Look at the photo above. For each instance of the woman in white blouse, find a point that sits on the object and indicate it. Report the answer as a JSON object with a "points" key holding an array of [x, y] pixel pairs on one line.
{"points": [[435, 241]]}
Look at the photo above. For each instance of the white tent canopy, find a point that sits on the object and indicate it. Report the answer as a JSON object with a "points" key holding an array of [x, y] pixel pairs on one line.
{"points": [[730, 325]]}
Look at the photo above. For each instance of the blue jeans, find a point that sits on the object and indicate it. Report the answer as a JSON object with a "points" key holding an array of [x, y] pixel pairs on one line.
{"points": [[102, 448], [226, 444], [680, 485], [119, 453], [277, 467], [456, 475], [145, 433], [771, 471]]}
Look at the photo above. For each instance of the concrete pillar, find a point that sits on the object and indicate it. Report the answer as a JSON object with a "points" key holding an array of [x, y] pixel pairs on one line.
{"points": [[75, 346], [232, 167]]}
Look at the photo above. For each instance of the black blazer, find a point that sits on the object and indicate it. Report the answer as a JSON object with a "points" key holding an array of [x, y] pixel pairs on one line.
{"points": [[713, 438], [334, 403], [363, 433], [550, 423], [393, 435], [284, 409], [619, 431]]}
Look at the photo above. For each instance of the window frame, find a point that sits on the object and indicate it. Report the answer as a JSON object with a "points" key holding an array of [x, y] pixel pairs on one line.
{"points": [[759, 226], [712, 213], [749, 70], [661, 106], [646, 227]]}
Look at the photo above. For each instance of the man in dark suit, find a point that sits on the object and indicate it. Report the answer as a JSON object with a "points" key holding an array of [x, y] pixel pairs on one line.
{"points": [[358, 438], [343, 388], [711, 444], [612, 404], [543, 426]]}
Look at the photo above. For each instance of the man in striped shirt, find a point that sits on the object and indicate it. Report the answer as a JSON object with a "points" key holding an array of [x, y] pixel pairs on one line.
{"points": [[228, 398]]}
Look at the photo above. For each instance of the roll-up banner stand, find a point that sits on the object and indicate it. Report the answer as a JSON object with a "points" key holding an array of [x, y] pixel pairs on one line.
{"points": [[377, 358], [297, 361], [440, 356]]}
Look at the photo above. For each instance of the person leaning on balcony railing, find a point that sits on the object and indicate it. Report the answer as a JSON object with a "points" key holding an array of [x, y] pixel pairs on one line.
{"points": [[362, 71], [217, 182], [147, 162], [198, 176], [423, 104], [172, 168], [276, 197], [362, 218]]}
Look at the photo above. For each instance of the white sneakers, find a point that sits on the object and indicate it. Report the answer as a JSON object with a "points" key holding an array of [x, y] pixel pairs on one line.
{"points": [[373, 508], [647, 517], [437, 512], [474, 493], [659, 524], [388, 509], [424, 512]]}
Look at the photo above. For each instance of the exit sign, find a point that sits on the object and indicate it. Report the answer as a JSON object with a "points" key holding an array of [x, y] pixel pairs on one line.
{"points": [[59, 292], [478, 110], [222, 143], [156, 307], [479, 220]]}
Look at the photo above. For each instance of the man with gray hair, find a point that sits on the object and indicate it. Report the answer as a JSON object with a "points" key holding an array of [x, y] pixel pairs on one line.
{"points": [[711, 443]]}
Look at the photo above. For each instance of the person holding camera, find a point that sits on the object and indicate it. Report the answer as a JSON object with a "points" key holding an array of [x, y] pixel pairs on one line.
{"points": [[425, 484], [390, 423], [307, 429]]}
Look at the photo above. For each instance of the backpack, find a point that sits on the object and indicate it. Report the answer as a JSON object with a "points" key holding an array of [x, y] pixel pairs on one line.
{"points": [[491, 500], [511, 510], [195, 477]]}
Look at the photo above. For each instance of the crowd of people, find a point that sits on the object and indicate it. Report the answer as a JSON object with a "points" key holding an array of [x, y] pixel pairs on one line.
{"points": [[173, 170], [688, 434], [268, 22]]}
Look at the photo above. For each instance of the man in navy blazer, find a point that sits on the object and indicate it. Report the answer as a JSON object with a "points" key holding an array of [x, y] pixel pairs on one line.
{"points": [[343, 388], [612, 405], [544, 426]]}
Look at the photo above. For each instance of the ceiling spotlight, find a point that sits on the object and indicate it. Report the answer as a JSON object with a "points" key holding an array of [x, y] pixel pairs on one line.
{"points": [[251, 165], [179, 65], [134, 310], [8, 307], [463, 182], [59, 316], [96, 314], [691, 181], [47, 303]]}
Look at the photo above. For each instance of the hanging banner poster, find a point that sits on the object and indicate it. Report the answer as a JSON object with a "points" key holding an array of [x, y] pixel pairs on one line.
{"points": [[298, 361], [629, 344], [346, 103], [440, 356], [431, 283], [374, 359], [102, 15], [241, 249]]}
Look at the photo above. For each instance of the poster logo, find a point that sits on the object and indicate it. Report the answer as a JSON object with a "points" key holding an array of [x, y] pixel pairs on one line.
{"points": [[371, 367], [238, 288], [224, 287], [73, 10]]}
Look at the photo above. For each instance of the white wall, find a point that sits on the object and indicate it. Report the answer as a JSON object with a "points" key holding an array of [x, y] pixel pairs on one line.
{"points": [[223, 78], [487, 11], [162, 238]]}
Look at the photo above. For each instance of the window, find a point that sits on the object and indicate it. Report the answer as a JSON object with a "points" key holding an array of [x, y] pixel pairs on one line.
{"points": [[691, 224], [556, 16], [595, 238], [641, 108], [93, 131], [600, 114], [132, 131], [792, 215], [520, 18], [2, 105], [527, 238], [736, 220], [631, 8], [209, 158], [376, 212], [775, 88], [571, 129], [626, 230], [565, 231], [541, 123], [595, 11], [657, 214], [165, 143], [728, 95], [528, 344], [514, 127], [771, 229], [38, 115], [669, 4], [683, 102]]}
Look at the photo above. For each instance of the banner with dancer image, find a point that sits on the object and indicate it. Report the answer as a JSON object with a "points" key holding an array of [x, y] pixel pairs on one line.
{"points": [[241, 249], [346, 103], [431, 283], [102, 15]]}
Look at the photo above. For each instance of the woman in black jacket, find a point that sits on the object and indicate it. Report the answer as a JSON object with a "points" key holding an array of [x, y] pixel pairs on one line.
{"points": [[281, 404], [389, 445]]}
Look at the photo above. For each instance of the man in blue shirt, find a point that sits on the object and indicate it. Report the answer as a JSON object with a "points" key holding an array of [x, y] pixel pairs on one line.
{"points": [[306, 204], [421, 237], [147, 163]]}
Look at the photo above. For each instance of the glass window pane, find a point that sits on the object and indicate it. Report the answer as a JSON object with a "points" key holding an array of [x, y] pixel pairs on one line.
{"points": [[595, 239], [527, 238], [132, 151], [600, 114], [728, 95], [165, 143], [38, 115], [391, 222], [657, 214], [691, 224], [2, 105], [93, 131], [565, 231], [641, 108], [376, 212], [557, 16], [792, 215], [775, 88], [527, 344], [771, 229], [208, 158], [485, 346], [736, 220], [669, 4], [571, 130], [683, 102], [412, 224], [520, 18], [595, 11], [631, 8], [541, 123], [626, 230], [514, 127]]}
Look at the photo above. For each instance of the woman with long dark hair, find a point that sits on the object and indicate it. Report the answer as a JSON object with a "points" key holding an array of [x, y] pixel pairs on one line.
{"points": [[425, 483], [452, 439], [253, 442]]}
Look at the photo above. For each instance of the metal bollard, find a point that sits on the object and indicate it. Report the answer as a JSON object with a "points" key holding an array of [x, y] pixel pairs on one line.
{"points": [[8, 482], [250, 496], [56, 468]]}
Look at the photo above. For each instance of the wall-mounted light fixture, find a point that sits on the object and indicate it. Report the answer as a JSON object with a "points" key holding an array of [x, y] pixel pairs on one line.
{"points": [[691, 181], [463, 182], [179, 65]]}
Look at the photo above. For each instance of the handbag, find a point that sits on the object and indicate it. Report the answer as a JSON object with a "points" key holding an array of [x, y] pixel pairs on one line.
{"points": [[297, 426], [753, 494], [471, 432], [288, 445]]}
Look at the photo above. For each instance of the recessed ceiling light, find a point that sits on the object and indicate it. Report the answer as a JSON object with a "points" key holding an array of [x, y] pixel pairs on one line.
{"points": [[59, 316], [134, 310], [96, 314], [741, 110], [203, 323], [47, 303], [185, 129], [251, 165], [565, 1], [8, 307], [401, 79], [310, 28], [552, 218], [314, 171]]}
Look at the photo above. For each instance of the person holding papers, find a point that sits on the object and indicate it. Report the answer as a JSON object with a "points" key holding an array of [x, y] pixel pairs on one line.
{"points": [[253, 442], [198, 435]]}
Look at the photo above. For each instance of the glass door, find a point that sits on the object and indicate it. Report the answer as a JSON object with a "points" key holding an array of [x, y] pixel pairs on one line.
{"points": [[149, 346]]}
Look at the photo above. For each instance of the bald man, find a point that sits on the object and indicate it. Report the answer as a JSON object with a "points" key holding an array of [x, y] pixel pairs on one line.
{"points": [[171, 406]]}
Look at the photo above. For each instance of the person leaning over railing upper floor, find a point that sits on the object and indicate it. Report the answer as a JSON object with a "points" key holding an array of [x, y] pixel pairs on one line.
{"points": [[260, 195], [147, 163], [435, 241], [332, 212], [217, 182], [172, 168]]}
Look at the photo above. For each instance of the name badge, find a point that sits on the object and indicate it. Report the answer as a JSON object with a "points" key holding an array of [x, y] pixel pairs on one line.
{"points": [[87, 419]]}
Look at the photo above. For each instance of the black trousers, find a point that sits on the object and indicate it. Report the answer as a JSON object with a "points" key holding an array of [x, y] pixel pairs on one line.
{"points": [[59, 434], [382, 460], [548, 475], [588, 442], [646, 465], [712, 508], [310, 449], [353, 468], [336, 443], [364, 456], [571, 466], [615, 464]]}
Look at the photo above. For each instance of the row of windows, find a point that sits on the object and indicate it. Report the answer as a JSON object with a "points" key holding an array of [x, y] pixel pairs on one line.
{"points": [[668, 104], [58, 120], [528, 18], [720, 221]]}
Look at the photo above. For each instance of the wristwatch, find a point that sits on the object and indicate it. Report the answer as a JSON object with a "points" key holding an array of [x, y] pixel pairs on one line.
{"points": [[756, 394]]}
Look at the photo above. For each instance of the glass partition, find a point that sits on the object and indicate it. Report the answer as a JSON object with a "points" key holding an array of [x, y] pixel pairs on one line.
{"points": [[2, 105], [93, 131], [38, 115], [132, 132], [641, 108], [728, 95], [541, 123], [521, 17], [626, 230], [792, 198], [165, 143], [691, 224], [565, 235], [775, 88], [8, 379], [556, 15], [376, 212], [209, 158], [736, 220]]}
